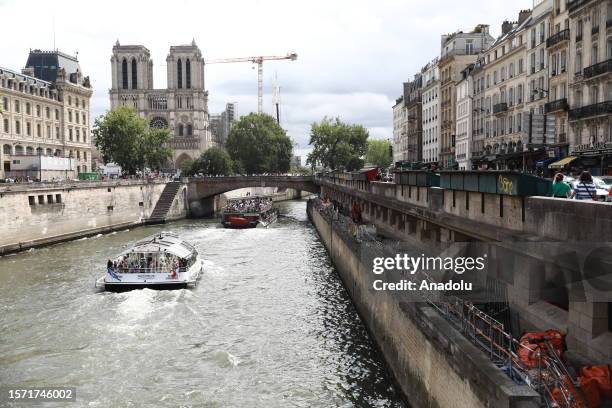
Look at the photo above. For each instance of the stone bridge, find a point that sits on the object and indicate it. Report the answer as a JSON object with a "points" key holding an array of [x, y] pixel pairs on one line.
{"points": [[203, 190]]}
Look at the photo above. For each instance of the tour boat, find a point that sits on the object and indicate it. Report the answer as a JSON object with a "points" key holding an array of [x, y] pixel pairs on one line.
{"points": [[248, 212], [162, 261]]}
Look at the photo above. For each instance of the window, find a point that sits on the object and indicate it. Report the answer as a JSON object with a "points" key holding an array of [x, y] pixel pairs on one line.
{"points": [[28, 128], [57, 114], [70, 134], [563, 60], [542, 32], [532, 62], [180, 130], [69, 116], [520, 66], [189, 130], [76, 102], [57, 132], [187, 73], [594, 94], [594, 54], [38, 110], [469, 47], [48, 112], [124, 74], [134, 74], [38, 130], [49, 131], [69, 100], [542, 59], [578, 63], [84, 136], [179, 73], [5, 104], [78, 135], [511, 70], [6, 125]]}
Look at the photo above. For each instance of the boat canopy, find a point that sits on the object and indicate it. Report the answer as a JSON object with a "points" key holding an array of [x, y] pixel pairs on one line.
{"points": [[164, 242]]}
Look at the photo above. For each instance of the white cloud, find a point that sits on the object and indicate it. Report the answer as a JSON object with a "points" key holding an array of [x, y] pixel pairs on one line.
{"points": [[353, 55]]}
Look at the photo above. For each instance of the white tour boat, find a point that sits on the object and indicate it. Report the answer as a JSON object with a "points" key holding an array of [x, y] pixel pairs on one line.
{"points": [[162, 261]]}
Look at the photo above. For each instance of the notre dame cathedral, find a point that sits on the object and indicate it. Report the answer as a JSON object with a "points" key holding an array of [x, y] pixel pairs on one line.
{"points": [[182, 106]]}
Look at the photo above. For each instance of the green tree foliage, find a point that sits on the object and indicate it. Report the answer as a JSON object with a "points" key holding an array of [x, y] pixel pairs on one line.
{"points": [[257, 144], [337, 144], [379, 153], [186, 167], [213, 162], [124, 138]]}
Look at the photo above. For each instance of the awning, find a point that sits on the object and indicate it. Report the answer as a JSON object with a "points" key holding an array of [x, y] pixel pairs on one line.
{"points": [[561, 163]]}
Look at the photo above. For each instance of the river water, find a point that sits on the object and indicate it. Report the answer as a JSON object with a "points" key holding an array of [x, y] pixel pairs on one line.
{"points": [[269, 325]]}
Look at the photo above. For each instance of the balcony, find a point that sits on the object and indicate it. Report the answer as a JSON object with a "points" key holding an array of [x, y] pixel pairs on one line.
{"points": [[500, 107], [573, 5], [598, 69], [555, 39], [589, 111], [558, 105]]}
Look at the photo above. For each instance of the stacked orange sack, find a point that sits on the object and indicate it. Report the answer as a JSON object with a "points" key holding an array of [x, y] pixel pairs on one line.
{"points": [[534, 346], [596, 383]]}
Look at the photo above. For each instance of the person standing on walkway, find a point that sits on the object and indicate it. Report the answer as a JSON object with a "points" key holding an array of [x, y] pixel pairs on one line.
{"points": [[585, 189], [560, 189]]}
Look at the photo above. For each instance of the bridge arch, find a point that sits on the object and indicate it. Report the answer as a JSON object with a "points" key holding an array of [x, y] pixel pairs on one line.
{"points": [[203, 189]]}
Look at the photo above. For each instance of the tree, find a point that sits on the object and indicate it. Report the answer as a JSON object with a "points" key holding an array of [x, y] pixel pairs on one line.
{"points": [[155, 148], [257, 144], [337, 144], [186, 167], [125, 138], [379, 153], [213, 162]]}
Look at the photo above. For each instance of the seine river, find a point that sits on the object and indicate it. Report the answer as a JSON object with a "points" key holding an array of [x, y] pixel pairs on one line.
{"points": [[269, 325]]}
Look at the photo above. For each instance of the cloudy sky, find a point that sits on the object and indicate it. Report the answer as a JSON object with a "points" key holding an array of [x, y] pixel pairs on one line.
{"points": [[352, 55]]}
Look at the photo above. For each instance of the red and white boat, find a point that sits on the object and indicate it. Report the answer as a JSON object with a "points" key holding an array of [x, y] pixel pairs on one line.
{"points": [[248, 212]]}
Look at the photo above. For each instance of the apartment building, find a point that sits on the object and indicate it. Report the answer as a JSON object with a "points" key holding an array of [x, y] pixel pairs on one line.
{"points": [[463, 127], [458, 50], [557, 45], [504, 95], [400, 141], [414, 127], [430, 97], [590, 84]]}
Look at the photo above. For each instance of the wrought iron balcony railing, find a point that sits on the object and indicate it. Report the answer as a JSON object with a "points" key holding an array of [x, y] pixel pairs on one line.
{"points": [[596, 109], [554, 106], [500, 107], [598, 69], [563, 35]]}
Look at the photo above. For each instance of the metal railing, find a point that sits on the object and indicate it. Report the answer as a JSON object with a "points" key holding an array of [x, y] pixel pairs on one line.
{"points": [[136, 269], [596, 109], [500, 107], [598, 69], [563, 35], [557, 105]]}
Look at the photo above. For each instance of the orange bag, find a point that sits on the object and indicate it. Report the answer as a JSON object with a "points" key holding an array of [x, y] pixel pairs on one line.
{"points": [[591, 392], [535, 342], [602, 375]]}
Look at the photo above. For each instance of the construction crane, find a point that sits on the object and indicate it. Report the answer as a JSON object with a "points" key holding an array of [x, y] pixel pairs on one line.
{"points": [[259, 61]]}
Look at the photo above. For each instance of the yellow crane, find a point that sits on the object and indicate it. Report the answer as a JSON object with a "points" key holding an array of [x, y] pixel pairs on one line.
{"points": [[259, 61]]}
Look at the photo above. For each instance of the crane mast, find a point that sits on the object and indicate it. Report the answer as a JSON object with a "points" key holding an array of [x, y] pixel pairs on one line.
{"points": [[259, 61]]}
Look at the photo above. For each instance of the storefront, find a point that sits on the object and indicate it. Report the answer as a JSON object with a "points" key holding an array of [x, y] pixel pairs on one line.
{"points": [[595, 158]]}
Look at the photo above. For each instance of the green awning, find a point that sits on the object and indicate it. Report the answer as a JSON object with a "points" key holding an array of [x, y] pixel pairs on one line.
{"points": [[561, 163]]}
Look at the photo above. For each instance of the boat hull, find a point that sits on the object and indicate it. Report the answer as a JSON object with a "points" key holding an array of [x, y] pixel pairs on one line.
{"points": [[125, 287]]}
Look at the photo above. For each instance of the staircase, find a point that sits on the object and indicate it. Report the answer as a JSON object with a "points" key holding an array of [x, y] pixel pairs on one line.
{"points": [[158, 216]]}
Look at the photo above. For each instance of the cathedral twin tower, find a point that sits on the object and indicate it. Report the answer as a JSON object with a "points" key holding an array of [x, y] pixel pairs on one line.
{"points": [[182, 106]]}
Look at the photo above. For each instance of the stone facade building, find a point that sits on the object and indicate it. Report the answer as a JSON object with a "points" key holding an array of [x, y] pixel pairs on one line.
{"points": [[414, 129], [463, 127], [182, 106], [504, 83], [557, 45], [45, 111], [458, 50], [430, 97], [400, 140], [590, 115]]}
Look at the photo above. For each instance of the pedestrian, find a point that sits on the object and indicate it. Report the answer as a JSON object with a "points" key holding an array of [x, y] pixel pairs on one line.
{"points": [[560, 189], [585, 189]]}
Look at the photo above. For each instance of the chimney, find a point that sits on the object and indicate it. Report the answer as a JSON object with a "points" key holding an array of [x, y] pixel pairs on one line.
{"points": [[506, 27], [484, 28], [523, 15]]}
